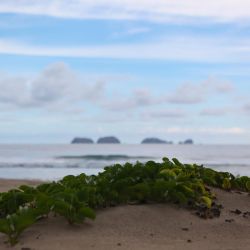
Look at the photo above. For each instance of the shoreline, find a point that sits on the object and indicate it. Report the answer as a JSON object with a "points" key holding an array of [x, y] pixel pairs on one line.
{"points": [[6, 184], [151, 226]]}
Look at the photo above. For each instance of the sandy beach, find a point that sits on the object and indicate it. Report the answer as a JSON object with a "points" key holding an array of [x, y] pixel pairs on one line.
{"points": [[154, 226], [6, 184]]}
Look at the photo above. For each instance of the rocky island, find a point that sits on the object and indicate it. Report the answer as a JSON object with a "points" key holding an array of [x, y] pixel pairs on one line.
{"points": [[188, 141], [108, 139], [154, 140], [82, 140]]}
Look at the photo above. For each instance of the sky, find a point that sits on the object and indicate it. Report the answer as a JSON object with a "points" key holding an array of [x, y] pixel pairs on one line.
{"points": [[133, 69]]}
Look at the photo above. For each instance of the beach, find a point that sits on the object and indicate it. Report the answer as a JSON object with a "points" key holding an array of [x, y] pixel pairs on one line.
{"points": [[54, 161], [124, 125], [150, 226]]}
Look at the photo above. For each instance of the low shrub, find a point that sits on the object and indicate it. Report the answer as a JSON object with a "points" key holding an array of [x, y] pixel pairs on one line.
{"points": [[76, 197]]}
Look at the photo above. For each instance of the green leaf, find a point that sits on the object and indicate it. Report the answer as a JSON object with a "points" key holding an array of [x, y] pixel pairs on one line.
{"points": [[169, 173], [88, 212], [4, 226], [179, 196], [177, 163], [207, 201], [248, 185], [226, 184]]}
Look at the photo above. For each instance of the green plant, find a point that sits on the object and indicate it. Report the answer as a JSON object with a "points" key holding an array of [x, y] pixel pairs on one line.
{"points": [[13, 225], [75, 197], [226, 184]]}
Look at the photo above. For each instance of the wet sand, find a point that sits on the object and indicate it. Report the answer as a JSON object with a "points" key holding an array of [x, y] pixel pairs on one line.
{"points": [[142, 227]]}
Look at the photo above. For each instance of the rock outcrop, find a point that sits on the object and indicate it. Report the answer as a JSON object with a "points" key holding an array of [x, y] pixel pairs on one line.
{"points": [[109, 139], [188, 141], [82, 140], [154, 140]]}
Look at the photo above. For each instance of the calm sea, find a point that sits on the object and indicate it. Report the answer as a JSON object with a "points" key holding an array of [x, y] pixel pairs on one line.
{"points": [[51, 162]]}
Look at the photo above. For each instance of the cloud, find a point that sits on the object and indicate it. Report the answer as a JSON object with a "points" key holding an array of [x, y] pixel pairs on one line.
{"points": [[232, 131], [189, 93], [215, 112], [173, 47], [59, 89], [164, 113], [224, 88], [157, 10], [57, 86], [13, 90], [139, 98], [132, 31], [56, 82], [246, 108], [203, 130]]}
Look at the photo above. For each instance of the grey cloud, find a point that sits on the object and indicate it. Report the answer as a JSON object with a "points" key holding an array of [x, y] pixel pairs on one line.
{"points": [[143, 97], [166, 113], [54, 83], [246, 108], [189, 93], [228, 110], [139, 98], [58, 82], [186, 94], [95, 91], [14, 90], [214, 112], [56, 87], [117, 105], [224, 88]]}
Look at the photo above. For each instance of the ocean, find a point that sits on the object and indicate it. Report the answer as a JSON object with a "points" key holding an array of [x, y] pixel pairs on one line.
{"points": [[52, 162]]}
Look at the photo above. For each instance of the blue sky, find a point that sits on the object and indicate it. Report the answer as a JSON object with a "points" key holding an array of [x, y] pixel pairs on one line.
{"points": [[124, 68]]}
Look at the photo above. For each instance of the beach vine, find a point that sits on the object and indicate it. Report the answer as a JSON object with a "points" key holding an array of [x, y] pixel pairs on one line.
{"points": [[77, 197]]}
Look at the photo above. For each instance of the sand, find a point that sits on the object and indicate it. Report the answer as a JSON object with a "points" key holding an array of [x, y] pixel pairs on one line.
{"points": [[6, 184], [155, 226]]}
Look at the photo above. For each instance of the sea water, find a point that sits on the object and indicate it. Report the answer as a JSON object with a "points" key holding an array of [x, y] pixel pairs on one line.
{"points": [[52, 162]]}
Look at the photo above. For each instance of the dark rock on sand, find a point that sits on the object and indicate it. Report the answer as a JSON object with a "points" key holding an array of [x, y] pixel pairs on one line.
{"points": [[246, 214], [229, 220], [204, 212], [236, 211]]}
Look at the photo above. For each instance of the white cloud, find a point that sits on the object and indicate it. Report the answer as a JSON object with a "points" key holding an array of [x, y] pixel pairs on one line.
{"points": [[176, 48], [199, 130], [157, 10], [232, 131], [60, 89], [132, 31], [164, 113], [215, 112], [58, 86], [56, 82], [189, 93], [232, 110], [246, 108], [139, 98], [13, 90]]}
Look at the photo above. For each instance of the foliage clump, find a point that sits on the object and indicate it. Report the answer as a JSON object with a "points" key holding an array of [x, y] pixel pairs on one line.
{"points": [[76, 197]]}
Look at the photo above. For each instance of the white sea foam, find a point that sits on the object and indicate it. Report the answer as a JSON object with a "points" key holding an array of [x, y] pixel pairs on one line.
{"points": [[50, 162]]}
